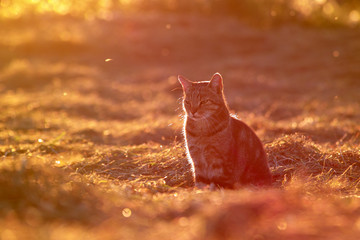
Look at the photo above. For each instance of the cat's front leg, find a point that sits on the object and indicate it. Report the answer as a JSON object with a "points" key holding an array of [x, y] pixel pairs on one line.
{"points": [[204, 186], [201, 185], [201, 182]]}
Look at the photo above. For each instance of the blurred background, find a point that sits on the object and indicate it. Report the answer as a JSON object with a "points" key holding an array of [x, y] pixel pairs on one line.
{"points": [[118, 59], [263, 12], [91, 117]]}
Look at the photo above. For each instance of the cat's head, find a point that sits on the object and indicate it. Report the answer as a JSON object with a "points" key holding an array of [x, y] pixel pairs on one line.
{"points": [[203, 99]]}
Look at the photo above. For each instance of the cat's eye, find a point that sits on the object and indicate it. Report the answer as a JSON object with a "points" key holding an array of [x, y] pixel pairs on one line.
{"points": [[205, 101]]}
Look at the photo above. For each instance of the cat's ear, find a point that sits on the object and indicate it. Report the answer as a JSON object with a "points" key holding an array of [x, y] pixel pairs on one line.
{"points": [[216, 82], [185, 83]]}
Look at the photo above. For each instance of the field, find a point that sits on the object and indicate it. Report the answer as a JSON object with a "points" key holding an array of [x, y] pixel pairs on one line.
{"points": [[91, 142]]}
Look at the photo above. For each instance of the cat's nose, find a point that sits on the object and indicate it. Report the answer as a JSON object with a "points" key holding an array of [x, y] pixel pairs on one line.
{"points": [[193, 110]]}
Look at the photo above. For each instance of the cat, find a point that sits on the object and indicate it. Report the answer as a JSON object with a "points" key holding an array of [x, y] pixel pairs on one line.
{"points": [[223, 151]]}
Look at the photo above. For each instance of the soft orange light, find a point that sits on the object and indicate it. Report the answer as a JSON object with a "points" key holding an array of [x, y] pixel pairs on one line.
{"points": [[354, 16]]}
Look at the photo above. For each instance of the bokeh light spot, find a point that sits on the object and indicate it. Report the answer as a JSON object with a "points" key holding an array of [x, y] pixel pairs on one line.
{"points": [[282, 225], [354, 16], [126, 212], [328, 8]]}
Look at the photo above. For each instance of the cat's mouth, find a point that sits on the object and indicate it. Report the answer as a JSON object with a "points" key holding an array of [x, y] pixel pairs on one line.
{"points": [[195, 116]]}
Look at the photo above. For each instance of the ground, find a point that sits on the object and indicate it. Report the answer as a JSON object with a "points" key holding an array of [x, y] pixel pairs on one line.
{"points": [[91, 120]]}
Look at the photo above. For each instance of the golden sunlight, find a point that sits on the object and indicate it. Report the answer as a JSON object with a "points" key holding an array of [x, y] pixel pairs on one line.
{"points": [[93, 118], [309, 10]]}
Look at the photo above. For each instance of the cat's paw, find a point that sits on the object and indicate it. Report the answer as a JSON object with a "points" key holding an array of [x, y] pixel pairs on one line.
{"points": [[213, 187]]}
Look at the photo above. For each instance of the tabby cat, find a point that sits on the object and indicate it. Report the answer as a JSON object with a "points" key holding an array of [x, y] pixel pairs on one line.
{"points": [[224, 151]]}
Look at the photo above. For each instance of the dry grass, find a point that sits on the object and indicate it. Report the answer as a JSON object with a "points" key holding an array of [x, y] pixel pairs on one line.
{"points": [[328, 171], [92, 149]]}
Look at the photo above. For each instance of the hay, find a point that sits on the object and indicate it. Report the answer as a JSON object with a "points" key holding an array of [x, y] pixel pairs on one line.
{"points": [[151, 167], [42, 192], [293, 154]]}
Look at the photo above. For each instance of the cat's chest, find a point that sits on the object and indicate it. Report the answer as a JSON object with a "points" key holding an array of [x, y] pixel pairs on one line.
{"points": [[214, 147]]}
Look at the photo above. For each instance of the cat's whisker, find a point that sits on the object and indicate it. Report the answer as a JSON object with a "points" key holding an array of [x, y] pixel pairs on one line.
{"points": [[208, 125]]}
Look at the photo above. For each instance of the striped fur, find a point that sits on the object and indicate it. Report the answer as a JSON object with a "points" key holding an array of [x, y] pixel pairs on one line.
{"points": [[223, 151]]}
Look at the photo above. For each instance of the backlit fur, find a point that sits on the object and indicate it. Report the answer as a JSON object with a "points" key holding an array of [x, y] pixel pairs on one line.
{"points": [[223, 151]]}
